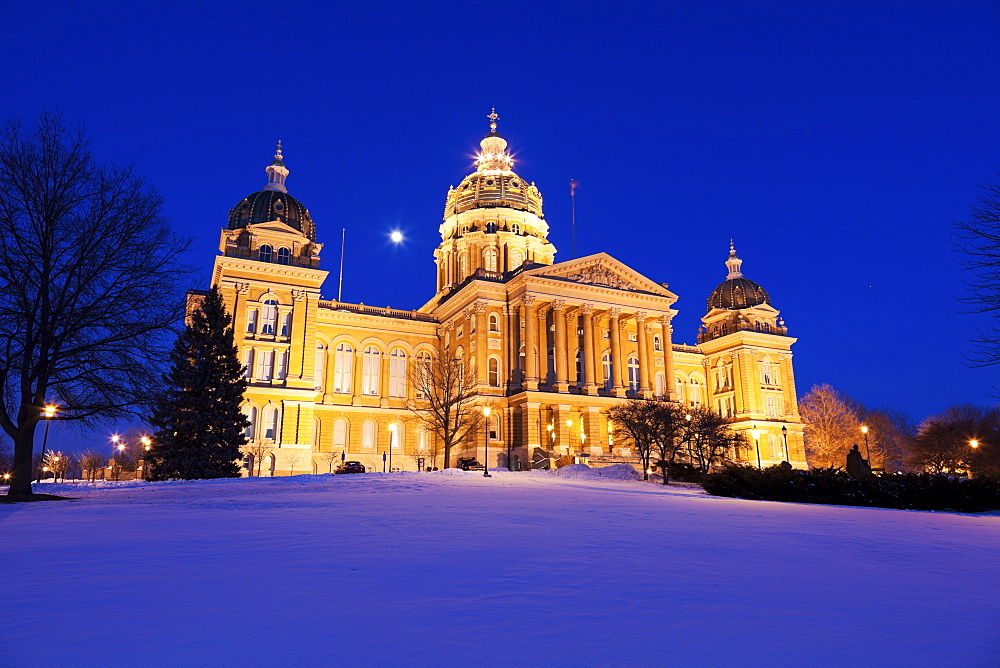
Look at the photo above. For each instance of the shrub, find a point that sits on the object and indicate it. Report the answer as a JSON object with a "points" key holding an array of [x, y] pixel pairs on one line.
{"points": [[905, 491]]}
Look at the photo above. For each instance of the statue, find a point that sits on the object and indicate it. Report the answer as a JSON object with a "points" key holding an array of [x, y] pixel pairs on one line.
{"points": [[857, 466]]}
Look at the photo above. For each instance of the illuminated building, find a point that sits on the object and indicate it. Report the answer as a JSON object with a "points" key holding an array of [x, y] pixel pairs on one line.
{"points": [[554, 344]]}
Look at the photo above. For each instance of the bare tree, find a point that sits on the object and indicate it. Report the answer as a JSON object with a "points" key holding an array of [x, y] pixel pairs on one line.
{"points": [[293, 459], [258, 450], [944, 443], [92, 461], [832, 426], [635, 423], [57, 463], [89, 285], [329, 457], [708, 439], [978, 239], [448, 403]]}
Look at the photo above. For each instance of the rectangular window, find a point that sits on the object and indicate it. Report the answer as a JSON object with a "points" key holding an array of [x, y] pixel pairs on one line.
{"points": [[265, 364], [251, 321], [286, 324], [248, 363], [282, 365]]}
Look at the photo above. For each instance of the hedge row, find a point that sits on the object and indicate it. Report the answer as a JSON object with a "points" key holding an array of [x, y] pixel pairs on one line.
{"points": [[906, 491]]}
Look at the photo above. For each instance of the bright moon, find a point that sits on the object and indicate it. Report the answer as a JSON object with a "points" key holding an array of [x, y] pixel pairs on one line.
{"points": [[396, 236]]}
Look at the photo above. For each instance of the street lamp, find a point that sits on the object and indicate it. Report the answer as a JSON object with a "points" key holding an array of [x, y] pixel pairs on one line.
{"points": [[784, 437], [49, 411], [864, 430], [486, 444], [974, 444], [114, 458], [756, 439], [147, 446]]}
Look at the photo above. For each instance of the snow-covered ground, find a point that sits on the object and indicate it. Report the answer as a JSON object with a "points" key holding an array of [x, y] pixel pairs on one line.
{"points": [[452, 568]]}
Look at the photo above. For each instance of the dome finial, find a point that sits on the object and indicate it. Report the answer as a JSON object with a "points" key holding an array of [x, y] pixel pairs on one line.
{"points": [[734, 262], [277, 172], [494, 155], [493, 119]]}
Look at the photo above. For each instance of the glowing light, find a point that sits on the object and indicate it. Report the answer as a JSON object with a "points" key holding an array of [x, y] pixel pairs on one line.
{"points": [[396, 237], [864, 429], [50, 410], [755, 433], [486, 411], [974, 443]]}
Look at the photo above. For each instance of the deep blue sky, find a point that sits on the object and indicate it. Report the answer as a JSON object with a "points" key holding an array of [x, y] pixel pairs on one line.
{"points": [[832, 141]]}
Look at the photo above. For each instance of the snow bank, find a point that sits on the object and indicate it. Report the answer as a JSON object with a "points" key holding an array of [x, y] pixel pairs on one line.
{"points": [[584, 472]]}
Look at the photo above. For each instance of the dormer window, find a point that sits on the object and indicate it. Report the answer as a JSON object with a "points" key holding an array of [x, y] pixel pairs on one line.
{"points": [[264, 253], [515, 228], [284, 255]]}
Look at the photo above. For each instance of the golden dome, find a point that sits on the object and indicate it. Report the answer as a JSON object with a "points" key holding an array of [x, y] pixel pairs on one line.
{"points": [[494, 183]]}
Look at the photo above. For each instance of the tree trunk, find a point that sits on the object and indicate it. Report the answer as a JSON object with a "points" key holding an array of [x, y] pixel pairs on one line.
{"points": [[24, 444], [447, 455]]}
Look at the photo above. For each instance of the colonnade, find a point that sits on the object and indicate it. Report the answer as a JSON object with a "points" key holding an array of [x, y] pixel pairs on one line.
{"points": [[574, 321]]}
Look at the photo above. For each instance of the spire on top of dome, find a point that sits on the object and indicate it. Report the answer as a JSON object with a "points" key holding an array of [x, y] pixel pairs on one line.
{"points": [[733, 263], [277, 172], [494, 156]]}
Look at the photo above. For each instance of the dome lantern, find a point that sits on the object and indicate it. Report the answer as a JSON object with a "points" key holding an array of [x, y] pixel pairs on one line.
{"points": [[277, 172], [737, 291]]}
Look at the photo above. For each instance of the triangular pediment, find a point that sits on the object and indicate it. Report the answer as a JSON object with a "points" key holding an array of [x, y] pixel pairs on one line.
{"points": [[601, 270], [275, 226]]}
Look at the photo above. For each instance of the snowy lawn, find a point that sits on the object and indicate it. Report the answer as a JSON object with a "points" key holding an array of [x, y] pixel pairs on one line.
{"points": [[519, 569]]}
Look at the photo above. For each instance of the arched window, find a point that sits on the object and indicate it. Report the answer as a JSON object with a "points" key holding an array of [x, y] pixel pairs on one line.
{"points": [[284, 255], [265, 364], [264, 253], [606, 363], [679, 388], [694, 394], [370, 371], [724, 329], [659, 384], [656, 343], [397, 373], [767, 327], [286, 324], [421, 439], [340, 435], [395, 435], [319, 365], [633, 373], [766, 373], [424, 366], [251, 321], [515, 228], [270, 423], [343, 366], [368, 435], [494, 427], [493, 372], [769, 406], [463, 264], [581, 373], [494, 322], [490, 259], [315, 433], [251, 413], [516, 258], [270, 316]]}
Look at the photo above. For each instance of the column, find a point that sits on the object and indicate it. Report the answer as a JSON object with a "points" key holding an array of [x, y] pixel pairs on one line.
{"points": [[592, 429], [641, 340], [240, 312], [543, 347], [558, 319], [597, 358], [296, 368], [788, 384], [668, 357], [572, 344], [530, 343], [739, 400], [617, 370], [590, 386], [482, 341], [509, 340]]}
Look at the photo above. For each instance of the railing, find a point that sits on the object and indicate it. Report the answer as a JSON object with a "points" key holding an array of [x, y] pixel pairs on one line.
{"points": [[386, 312]]}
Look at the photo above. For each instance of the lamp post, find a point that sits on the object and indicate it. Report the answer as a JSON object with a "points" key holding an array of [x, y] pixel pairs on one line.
{"points": [[146, 447], [784, 437], [868, 454], [48, 411], [392, 441], [486, 444], [114, 457], [756, 440], [973, 443]]}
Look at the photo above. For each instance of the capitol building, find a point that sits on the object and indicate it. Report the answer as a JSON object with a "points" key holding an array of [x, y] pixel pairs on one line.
{"points": [[553, 344]]}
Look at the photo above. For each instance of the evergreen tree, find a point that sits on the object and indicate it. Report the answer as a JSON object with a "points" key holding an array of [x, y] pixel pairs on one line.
{"points": [[199, 428]]}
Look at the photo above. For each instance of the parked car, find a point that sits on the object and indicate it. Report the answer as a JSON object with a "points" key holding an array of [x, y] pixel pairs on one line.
{"points": [[351, 467], [470, 464]]}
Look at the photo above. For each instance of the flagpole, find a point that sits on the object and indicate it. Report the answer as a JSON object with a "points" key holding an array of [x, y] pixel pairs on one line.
{"points": [[572, 207], [340, 287]]}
